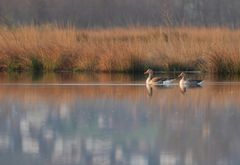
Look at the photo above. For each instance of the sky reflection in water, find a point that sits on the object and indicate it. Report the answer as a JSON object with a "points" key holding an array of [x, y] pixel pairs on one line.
{"points": [[117, 124]]}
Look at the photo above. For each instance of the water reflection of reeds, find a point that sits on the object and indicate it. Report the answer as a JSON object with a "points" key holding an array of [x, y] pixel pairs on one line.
{"points": [[206, 97], [119, 125]]}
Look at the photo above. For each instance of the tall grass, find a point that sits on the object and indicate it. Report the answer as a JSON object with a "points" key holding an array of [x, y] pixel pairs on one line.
{"points": [[52, 48]]}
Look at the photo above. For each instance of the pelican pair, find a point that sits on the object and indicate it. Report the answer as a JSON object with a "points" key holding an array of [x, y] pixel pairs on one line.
{"points": [[165, 81]]}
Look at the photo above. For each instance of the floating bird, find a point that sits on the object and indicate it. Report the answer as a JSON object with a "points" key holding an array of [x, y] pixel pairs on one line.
{"points": [[188, 82], [156, 80]]}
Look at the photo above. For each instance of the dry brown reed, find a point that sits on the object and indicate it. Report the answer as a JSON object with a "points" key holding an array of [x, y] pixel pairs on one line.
{"points": [[53, 48]]}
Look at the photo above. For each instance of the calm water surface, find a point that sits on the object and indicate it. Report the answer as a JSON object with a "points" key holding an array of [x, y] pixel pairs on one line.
{"points": [[102, 119]]}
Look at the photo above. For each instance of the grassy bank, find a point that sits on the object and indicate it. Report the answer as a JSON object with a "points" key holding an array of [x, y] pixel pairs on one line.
{"points": [[51, 48]]}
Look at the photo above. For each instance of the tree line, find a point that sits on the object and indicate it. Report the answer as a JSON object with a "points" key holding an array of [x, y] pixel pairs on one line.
{"points": [[108, 13]]}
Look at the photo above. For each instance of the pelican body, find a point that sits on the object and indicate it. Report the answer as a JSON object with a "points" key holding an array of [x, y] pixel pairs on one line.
{"points": [[156, 80], [187, 82]]}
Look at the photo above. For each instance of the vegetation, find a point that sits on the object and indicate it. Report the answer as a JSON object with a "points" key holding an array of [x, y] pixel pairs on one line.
{"points": [[52, 48]]}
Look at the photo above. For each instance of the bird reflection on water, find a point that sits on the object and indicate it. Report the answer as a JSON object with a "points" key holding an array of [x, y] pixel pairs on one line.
{"points": [[183, 89], [151, 88]]}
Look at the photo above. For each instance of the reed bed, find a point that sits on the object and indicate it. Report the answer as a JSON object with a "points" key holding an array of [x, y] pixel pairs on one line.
{"points": [[54, 48]]}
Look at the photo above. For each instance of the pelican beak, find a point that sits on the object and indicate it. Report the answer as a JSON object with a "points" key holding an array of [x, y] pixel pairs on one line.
{"points": [[146, 72]]}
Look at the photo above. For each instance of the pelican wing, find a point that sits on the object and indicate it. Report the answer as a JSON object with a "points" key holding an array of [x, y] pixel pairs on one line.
{"points": [[195, 82], [158, 79], [161, 80]]}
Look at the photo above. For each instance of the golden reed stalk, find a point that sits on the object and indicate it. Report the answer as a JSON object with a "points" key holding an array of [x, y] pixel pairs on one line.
{"points": [[53, 48]]}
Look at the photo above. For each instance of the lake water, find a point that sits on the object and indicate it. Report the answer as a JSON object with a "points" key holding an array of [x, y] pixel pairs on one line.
{"points": [[102, 119]]}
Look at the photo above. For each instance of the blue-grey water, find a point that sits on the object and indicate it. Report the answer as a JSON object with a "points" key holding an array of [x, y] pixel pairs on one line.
{"points": [[103, 119]]}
